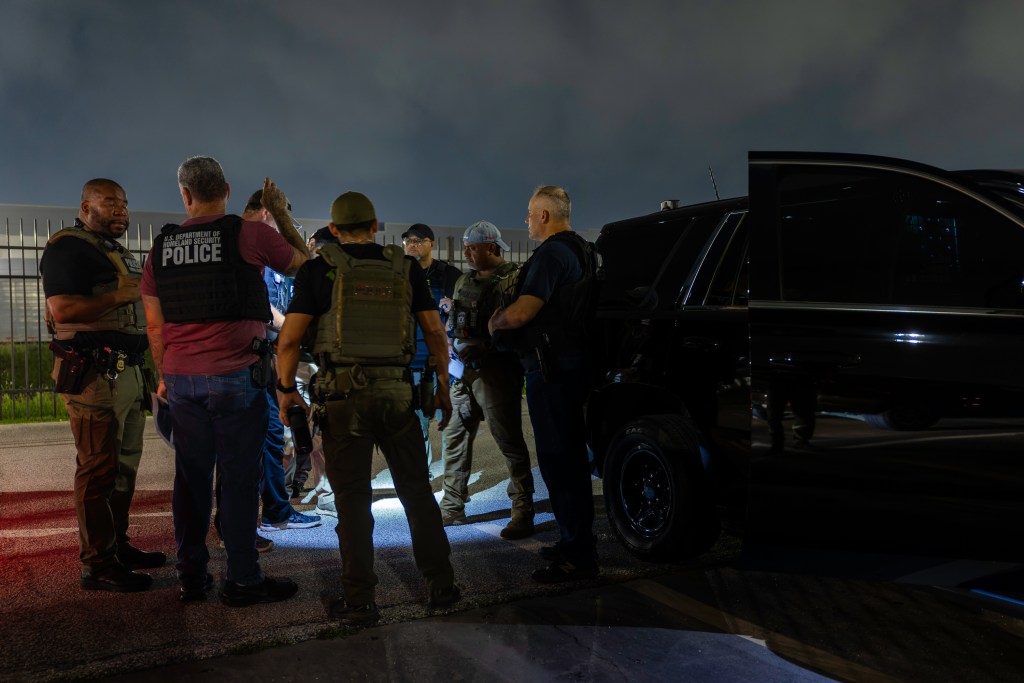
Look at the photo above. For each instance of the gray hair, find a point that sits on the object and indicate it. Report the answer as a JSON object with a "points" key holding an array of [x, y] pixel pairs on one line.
{"points": [[204, 178], [558, 197]]}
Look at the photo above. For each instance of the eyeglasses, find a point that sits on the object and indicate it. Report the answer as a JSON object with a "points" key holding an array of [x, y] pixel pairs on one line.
{"points": [[413, 242]]}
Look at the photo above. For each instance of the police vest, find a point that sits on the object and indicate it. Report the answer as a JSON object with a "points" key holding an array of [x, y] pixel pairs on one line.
{"points": [[369, 321], [475, 300], [127, 318], [201, 275], [563, 321]]}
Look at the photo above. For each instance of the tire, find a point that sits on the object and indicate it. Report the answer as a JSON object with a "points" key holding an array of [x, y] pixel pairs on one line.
{"points": [[655, 490]]}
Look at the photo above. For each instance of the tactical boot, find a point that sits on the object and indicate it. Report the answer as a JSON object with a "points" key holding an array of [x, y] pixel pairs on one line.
{"points": [[520, 526]]}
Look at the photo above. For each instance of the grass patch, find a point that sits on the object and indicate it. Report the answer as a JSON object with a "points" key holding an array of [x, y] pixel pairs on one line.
{"points": [[39, 406], [26, 390]]}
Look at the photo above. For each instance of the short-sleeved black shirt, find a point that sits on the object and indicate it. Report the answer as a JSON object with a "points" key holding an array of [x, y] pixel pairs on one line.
{"points": [[72, 267], [313, 289]]}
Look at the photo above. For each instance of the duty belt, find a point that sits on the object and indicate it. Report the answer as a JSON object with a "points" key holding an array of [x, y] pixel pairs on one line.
{"points": [[112, 362], [338, 381]]}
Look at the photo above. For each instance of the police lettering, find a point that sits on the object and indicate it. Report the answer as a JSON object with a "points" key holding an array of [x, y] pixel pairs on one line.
{"points": [[193, 247]]}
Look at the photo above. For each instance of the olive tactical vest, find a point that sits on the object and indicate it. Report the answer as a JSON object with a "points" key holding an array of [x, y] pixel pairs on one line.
{"points": [[128, 318], [369, 321], [476, 298]]}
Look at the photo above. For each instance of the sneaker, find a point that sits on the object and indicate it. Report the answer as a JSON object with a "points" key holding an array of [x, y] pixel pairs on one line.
{"points": [[268, 590], [353, 615], [326, 507], [520, 526], [116, 578], [193, 587], [296, 520], [453, 518], [445, 598], [562, 571], [133, 558]]}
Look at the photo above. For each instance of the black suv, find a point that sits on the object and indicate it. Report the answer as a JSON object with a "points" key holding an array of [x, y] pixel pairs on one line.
{"points": [[835, 362]]}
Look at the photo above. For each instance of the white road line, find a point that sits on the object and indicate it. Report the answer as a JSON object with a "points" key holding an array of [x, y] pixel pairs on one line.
{"points": [[35, 533], [56, 531]]}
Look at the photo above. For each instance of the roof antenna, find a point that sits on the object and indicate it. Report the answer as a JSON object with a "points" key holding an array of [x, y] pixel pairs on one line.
{"points": [[711, 172]]}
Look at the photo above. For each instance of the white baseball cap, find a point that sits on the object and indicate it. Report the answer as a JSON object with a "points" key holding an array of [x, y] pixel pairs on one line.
{"points": [[485, 232]]}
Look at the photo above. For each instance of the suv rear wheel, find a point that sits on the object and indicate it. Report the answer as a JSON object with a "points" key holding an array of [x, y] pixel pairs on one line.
{"points": [[654, 493]]}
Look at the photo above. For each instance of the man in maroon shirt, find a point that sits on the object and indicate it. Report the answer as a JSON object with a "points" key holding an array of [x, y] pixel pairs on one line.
{"points": [[206, 302]]}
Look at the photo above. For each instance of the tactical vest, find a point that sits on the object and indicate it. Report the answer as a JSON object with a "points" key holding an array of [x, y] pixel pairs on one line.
{"points": [[369, 321], [476, 298], [565, 318], [127, 318], [201, 275]]}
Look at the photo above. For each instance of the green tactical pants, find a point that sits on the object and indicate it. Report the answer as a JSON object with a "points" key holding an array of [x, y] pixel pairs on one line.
{"points": [[381, 414], [495, 394]]}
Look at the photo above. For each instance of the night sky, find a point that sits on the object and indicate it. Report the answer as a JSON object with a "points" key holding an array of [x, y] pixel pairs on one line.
{"points": [[452, 112]]}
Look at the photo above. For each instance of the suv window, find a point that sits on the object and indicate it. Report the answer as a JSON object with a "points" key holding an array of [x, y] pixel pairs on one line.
{"points": [[729, 286], [654, 254], [881, 237]]}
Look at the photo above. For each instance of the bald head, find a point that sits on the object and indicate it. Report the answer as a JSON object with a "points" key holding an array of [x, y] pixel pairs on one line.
{"points": [[99, 185], [104, 208]]}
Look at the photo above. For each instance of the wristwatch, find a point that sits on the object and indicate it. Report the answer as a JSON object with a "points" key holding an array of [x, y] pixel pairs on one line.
{"points": [[286, 390]]}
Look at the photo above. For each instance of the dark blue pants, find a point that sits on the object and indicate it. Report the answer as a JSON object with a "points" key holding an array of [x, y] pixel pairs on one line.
{"points": [[556, 412], [219, 422], [276, 496]]}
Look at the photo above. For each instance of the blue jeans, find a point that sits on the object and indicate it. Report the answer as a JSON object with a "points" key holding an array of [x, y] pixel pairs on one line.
{"points": [[556, 413], [425, 416], [276, 496], [219, 423]]}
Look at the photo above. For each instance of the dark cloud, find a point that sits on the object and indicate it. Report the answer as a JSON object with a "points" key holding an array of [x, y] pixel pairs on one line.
{"points": [[450, 112]]}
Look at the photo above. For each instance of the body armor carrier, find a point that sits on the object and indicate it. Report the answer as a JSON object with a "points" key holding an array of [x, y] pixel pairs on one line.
{"points": [[475, 300], [369, 321], [128, 318], [201, 275]]}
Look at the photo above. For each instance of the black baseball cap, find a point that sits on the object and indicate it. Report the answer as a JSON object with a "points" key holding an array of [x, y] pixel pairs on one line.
{"points": [[421, 230]]}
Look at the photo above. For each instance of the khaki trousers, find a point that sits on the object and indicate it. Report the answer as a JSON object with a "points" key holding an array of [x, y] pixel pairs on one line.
{"points": [[107, 422], [494, 394]]}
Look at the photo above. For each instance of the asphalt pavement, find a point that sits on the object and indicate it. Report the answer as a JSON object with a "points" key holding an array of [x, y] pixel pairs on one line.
{"points": [[622, 625]]}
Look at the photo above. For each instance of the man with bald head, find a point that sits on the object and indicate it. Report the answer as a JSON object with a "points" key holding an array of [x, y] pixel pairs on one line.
{"points": [[94, 312]]}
